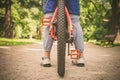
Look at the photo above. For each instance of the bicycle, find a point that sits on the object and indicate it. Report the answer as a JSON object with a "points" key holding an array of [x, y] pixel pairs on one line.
{"points": [[61, 30]]}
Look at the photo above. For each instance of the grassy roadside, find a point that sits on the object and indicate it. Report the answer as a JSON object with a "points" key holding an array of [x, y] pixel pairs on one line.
{"points": [[106, 44], [16, 42]]}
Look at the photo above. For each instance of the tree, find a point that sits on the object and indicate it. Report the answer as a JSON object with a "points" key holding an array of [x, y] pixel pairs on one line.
{"points": [[7, 18], [115, 18], [2, 18]]}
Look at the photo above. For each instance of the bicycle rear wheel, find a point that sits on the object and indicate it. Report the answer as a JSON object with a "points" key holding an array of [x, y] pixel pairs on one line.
{"points": [[61, 47]]}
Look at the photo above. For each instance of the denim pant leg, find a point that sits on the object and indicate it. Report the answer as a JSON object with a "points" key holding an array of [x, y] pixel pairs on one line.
{"points": [[48, 41], [77, 33]]}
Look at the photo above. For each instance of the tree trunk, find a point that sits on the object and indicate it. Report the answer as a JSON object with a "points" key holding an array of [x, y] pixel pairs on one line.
{"points": [[7, 18], [39, 33], [115, 18]]}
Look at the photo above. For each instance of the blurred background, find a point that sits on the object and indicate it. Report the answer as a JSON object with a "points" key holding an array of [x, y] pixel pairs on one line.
{"points": [[21, 19]]}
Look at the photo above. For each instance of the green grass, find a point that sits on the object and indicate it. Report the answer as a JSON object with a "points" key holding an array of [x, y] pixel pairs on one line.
{"points": [[105, 44], [16, 42]]}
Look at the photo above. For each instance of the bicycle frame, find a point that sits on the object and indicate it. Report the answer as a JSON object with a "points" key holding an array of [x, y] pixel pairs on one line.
{"points": [[48, 22]]}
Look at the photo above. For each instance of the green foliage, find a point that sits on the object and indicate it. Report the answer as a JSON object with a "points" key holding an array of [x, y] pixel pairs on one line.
{"points": [[2, 17], [93, 14], [26, 15], [88, 32], [99, 33]]}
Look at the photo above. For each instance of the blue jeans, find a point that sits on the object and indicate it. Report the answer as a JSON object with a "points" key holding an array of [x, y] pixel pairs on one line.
{"points": [[77, 34]]}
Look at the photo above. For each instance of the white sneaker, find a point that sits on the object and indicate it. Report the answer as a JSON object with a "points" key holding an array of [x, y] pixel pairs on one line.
{"points": [[80, 62], [46, 62]]}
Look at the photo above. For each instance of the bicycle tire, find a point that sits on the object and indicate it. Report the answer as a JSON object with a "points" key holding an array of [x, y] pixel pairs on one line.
{"points": [[61, 47]]}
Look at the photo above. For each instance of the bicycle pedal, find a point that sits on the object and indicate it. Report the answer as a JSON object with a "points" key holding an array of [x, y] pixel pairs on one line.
{"points": [[75, 54], [46, 21]]}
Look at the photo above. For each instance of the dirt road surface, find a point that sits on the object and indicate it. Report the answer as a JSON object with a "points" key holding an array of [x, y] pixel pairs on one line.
{"points": [[23, 63]]}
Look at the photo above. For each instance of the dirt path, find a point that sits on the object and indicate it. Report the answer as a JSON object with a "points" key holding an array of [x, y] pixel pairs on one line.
{"points": [[23, 63]]}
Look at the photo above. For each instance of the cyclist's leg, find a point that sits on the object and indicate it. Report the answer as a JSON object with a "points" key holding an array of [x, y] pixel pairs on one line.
{"points": [[77, 33], [48, 41], [78, 40]]}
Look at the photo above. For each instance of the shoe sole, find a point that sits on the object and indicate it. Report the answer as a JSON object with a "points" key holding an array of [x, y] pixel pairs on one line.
{"points": [[47, 65], [80, 64]]}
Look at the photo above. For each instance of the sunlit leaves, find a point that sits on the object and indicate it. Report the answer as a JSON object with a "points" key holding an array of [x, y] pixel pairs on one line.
{"points": [[93, 12]]}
